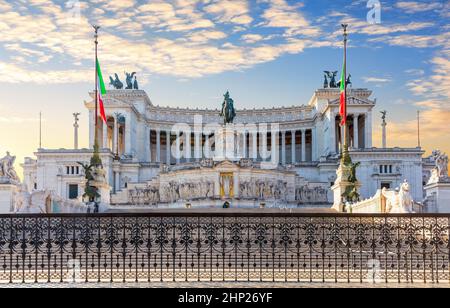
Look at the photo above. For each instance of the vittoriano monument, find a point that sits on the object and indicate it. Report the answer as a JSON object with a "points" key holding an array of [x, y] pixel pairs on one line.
{"points": [[228, 112]]}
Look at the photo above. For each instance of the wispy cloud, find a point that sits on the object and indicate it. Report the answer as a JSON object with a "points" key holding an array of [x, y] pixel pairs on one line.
{"points": [[376, 80], [416, 7]]}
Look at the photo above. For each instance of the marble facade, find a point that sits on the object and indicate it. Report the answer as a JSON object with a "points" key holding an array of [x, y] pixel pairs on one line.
{"points": [[168, 156]]}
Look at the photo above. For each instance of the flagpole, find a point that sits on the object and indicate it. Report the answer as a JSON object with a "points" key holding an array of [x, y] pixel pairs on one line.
{"points": [[346, 141], [96, 28], [418, 129], [40, 130]]}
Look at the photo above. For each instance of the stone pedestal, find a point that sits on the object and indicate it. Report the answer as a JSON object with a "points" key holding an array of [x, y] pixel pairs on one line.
{"points": [[7, 192], [103, 188], [340, 187], [226, 145], [438, 196]]}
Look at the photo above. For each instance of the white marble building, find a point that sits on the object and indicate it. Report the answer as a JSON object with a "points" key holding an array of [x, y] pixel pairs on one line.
{"points": [[306, 145]]}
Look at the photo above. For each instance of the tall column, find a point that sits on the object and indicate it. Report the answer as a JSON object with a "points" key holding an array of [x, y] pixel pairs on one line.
{"points": [[128, 135], [148, 143], [293, 147], [283, 148], [255, 145], [383, 134], [197, 154], [244, 144], [356, 131], [75, 131], [91, 129], [303, 145], [105, 135], [275, 153], [314, 145], [177, 150], [158, 146], [264, 153], [187, 150], [168, 148], [207, 146], [332, 145], [116, 136], [368, 130]]}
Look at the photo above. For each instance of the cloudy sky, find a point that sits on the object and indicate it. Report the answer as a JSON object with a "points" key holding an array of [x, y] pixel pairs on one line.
{"points": [[189, 52]]}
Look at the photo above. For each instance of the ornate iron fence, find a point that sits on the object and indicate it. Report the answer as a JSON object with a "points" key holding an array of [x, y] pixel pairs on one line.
{"points": [[224, 247]]}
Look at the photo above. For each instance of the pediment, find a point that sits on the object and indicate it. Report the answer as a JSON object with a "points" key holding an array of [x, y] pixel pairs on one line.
{"points": [[226, 165], [354, 101]]}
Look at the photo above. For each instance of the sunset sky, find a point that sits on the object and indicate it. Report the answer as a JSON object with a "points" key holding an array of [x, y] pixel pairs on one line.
{"points": [[187, 53]]}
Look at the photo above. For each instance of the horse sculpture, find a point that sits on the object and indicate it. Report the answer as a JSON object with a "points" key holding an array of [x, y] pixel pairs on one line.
{"points": [[129, 80], [332, 78], [116, 83], [228, 112]]}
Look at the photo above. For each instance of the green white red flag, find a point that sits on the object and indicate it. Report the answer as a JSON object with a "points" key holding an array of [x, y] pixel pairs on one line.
{"points": [[343, 103], [101, 93]]}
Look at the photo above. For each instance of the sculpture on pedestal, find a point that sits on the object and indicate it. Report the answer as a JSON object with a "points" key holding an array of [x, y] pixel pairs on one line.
{"points": [[401, 201], [7, 170], [440, 172], [351, 193], [228, 112], [332, 78], [116, 83], [129, 79]]}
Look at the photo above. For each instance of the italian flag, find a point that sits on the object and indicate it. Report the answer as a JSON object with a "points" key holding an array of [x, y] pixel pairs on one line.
{"points": [[101, 92], [343, 105]]}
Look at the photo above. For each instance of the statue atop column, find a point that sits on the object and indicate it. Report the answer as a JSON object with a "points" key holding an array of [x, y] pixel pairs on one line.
{"points": [[383, 126], [76, 126], [228, 112], [383, 116], [7, 170]]}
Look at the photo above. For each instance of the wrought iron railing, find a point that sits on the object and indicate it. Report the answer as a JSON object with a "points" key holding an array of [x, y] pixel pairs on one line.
{"points": [[224, 247]]}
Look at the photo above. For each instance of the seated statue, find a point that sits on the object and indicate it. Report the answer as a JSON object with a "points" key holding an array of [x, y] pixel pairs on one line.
{"points": [[7, 168]]}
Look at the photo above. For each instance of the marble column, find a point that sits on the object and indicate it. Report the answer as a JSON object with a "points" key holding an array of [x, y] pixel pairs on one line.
{"points": [[332, 145], [369, 130], [148, 144], [128, 135], [91, 129], [207, 147], [116, 136], [303, 145], [187, 150], [105, 135], [293, 147], [244, 144], [255, 145], [356, 131], [283, 148], [168, 148], [275, 153], [197, 154], [264, 153], [177, 145], [158, 146], [314, 145]]}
